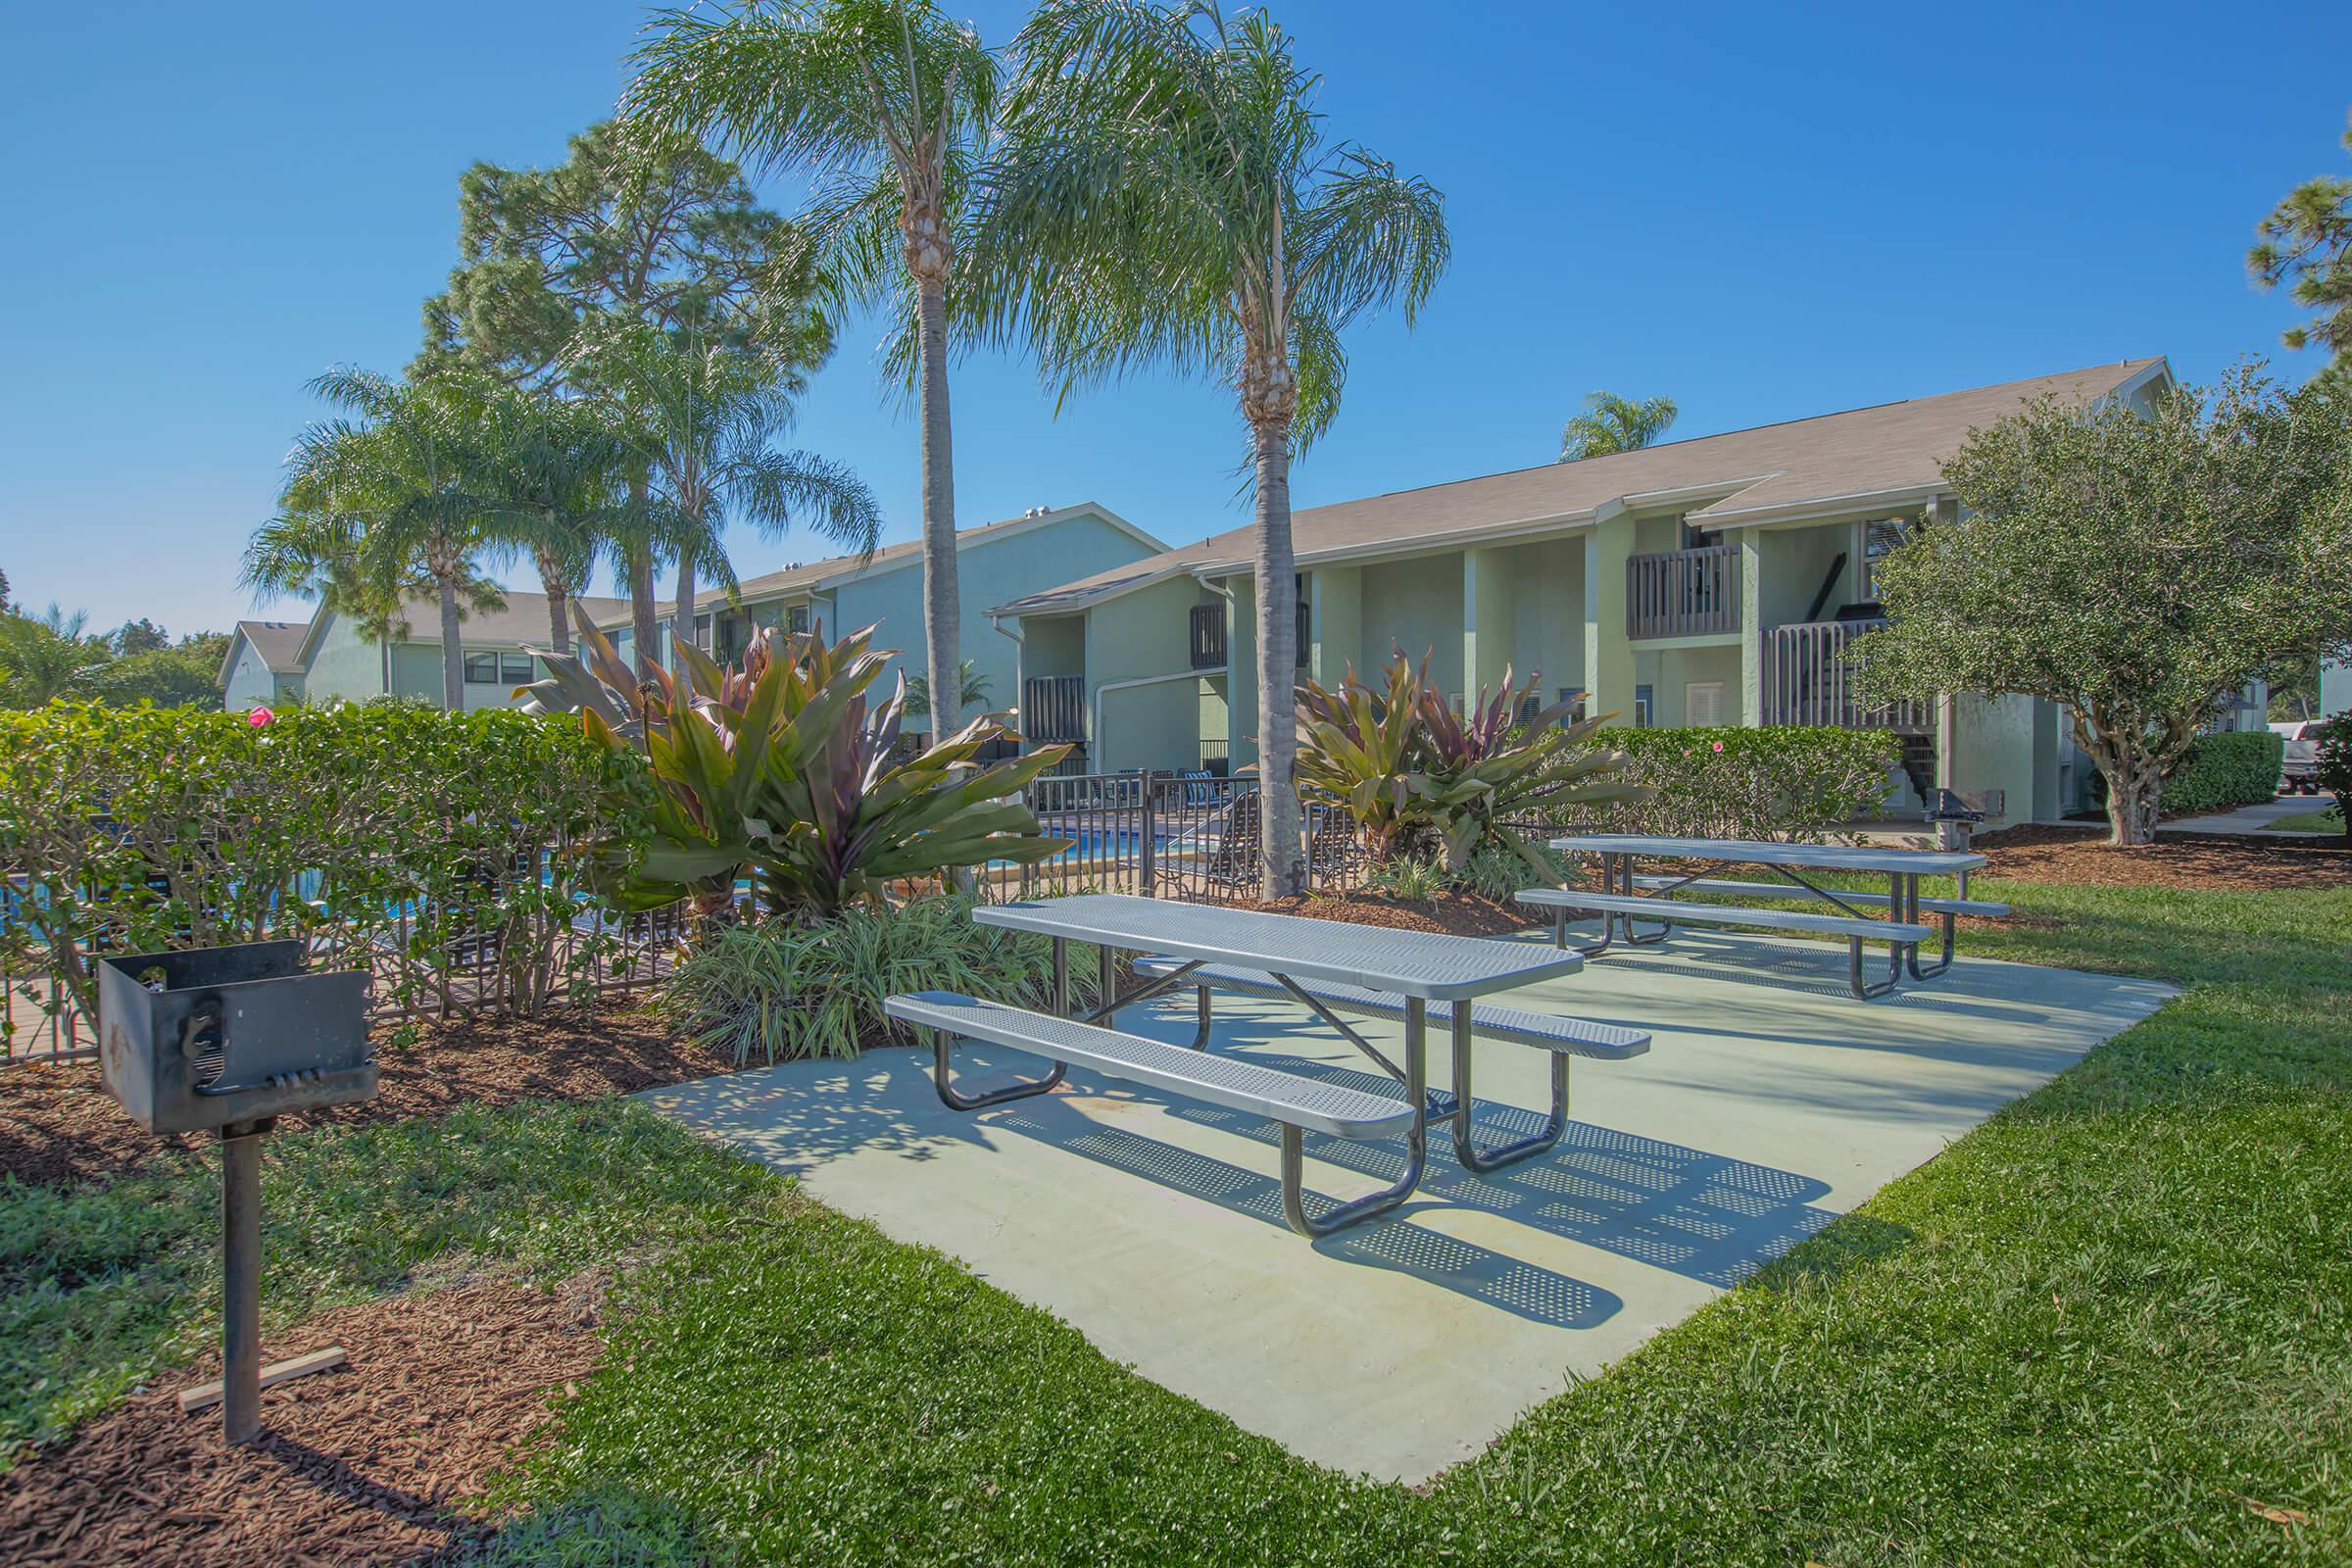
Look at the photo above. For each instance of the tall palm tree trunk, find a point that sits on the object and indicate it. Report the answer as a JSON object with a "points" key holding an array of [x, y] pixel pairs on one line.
{"points": [[558, 602], [453, 646], [641, 586], [1284, 865], [682, 615], [943, 605]]}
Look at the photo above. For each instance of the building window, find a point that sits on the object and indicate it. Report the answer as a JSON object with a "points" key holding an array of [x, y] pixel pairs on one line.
{"points": [[481, 669], [1645, 703], [701, 632], [1703, 703], [1574, 697], [795, 620], [515, 670], [1879, 540]]}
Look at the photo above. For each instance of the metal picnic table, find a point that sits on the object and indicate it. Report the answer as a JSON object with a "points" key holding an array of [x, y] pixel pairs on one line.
{"points": [[1420, 967], [1903, 868]]}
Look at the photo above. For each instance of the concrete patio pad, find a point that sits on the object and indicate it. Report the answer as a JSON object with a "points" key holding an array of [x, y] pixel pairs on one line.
{"points": [[1769, 1103]]}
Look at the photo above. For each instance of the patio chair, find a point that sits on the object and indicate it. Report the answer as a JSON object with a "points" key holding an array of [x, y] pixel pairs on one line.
{"points": [[1232, 860]]}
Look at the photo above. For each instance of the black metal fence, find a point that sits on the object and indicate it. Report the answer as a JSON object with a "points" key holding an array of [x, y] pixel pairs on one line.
{"points": [[501, 948], [1191, 835]]}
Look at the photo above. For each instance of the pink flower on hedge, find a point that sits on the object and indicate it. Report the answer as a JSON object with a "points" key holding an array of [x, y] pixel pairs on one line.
{"points": [[1719, 746], [260, 716]]}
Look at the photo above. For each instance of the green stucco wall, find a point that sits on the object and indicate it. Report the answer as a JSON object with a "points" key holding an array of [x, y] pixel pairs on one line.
{"points": [[1143, 638], [251, 684], [1416, 604], [345, 668]]}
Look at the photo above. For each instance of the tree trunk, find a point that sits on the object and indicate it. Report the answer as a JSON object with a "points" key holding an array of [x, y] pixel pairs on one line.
{"points": [[2134, 788], [641, 590], [943, 606], [558, 602], [453, 646], [682, 613], [1280, 855], [642, 629]]}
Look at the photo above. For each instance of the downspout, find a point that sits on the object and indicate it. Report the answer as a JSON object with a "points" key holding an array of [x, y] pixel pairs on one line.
{"points": [[1100, 752], [1021, 652]]}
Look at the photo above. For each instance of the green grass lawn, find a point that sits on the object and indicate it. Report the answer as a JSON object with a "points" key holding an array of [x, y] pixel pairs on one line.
{"points": [[2109, 1326], [2330, 820]]}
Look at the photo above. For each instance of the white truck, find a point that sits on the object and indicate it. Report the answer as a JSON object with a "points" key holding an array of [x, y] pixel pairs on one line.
{"points": [[2298, 766]]}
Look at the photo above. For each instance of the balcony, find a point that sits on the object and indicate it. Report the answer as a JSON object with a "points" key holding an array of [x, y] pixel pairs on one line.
{"points": [[1683, 593], [1808, 675], [1207, 635], [1054, 708]]}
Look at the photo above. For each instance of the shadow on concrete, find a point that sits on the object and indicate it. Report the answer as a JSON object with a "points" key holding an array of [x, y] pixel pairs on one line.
{"points": [[1392, 1242], [1686, 1210], [795, 1124]]}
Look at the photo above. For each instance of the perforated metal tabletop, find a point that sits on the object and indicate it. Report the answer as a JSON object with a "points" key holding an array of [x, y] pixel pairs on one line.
{"points": [[1808, 857], [1404, 963]]}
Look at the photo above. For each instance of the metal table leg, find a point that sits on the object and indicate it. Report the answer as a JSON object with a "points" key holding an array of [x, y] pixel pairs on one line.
{"points": [[1465, 1149], [1665, 924], [1920, 972], [1416, 1142], [1897, 953]]}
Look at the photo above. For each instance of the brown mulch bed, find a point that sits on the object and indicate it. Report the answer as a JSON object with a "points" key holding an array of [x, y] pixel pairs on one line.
{"points": [[2223, 862], [57, 1127], [362, 1464], [1461, 914]]}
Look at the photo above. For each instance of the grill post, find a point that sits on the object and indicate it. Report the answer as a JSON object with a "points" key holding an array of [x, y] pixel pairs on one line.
{"points": [[241, 1279]]}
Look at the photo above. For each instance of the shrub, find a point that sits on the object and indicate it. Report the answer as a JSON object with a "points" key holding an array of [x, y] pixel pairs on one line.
{"points": [[1492, 873], [785, 991], [389, 829], [2238, 767], [1774, 782], [782, 767], [1422, 781]]}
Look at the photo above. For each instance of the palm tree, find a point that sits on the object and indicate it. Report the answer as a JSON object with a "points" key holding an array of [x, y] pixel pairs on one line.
{"points": [[971, 688], [552, 469], [376, 504], [701, 417], [888, 101], [1613, 423], [1165, 194], [49, 656]]}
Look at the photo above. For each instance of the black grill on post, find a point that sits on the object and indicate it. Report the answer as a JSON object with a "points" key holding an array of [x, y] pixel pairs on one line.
{"points": [[227, 1040]]}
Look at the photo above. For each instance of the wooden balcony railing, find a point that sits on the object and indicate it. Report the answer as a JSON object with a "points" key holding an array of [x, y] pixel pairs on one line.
{"points": [[1809, 679], [1053, 707], [1683, 593], [1207, 629]]}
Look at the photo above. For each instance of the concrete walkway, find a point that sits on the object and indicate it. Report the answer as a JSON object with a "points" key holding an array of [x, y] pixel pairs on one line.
{"points": [[2256, 818], [1771, 1103]]}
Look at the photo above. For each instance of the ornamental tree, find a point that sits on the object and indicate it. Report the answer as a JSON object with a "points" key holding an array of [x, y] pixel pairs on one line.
{"points": [[2136, 569]]}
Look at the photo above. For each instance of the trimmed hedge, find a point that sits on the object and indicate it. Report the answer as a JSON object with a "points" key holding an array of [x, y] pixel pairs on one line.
{"points": [[2238, 768], [1731, 781], [420, 843]]}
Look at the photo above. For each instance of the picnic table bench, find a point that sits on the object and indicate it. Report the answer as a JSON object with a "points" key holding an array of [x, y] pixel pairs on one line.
{"points": [[1369, 968], [1620, 904]]}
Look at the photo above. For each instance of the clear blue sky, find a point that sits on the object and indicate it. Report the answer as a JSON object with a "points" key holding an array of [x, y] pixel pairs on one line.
{"points": [[1764, 211]]}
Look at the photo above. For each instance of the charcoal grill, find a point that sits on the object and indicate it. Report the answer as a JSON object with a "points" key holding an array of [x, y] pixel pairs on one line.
{"points": [[226, 1040]]}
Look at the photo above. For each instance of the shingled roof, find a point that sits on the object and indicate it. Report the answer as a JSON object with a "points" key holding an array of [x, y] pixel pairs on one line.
{"points": [[815, 576], [1771, 472]]}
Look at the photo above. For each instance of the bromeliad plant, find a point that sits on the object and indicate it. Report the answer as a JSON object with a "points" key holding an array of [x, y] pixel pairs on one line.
{"points": [[783, 769], [1424, 782]]}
